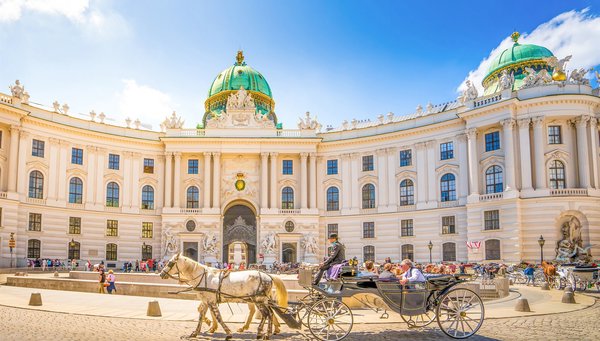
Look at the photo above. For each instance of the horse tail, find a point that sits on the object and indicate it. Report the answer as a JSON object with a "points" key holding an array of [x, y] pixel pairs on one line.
{"points": [[280, 292]]}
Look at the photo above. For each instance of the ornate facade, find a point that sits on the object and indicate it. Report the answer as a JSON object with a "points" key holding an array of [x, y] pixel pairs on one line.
{"points": [[480, 178]]}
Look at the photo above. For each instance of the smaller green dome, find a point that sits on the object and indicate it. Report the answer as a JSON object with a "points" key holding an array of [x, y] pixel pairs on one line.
{"points": [[238, 75]]}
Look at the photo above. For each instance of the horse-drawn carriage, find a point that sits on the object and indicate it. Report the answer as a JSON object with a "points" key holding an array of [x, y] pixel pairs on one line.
{"points": [[459, 311], [578, 277]]}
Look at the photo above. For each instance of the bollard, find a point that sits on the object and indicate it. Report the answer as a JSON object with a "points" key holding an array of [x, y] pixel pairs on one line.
{"points": [[568, 288], [35, 299], [55, 273], [545, 286], [568, 297], [153, 309], [522, 305]]}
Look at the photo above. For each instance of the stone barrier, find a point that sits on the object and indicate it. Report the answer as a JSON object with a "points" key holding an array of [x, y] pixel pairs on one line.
{"points": [[35, 299], [55, 273], [545, 286], [568, 297], [522, 305], [153, 309], [502, 286]]}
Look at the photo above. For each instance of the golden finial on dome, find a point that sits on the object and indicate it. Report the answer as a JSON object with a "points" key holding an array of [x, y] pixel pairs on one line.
{"points": [[240, 57], [515, 36]]}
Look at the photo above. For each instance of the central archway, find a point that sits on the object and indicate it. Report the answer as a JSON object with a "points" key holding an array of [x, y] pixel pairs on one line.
{"points": [[239, 227]]}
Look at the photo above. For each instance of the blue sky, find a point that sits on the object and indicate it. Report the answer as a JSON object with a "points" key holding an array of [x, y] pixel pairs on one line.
{"points": [[337, 59]]}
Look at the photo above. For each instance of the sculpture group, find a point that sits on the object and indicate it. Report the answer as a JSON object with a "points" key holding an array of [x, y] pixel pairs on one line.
{"points": [[570, 248]]}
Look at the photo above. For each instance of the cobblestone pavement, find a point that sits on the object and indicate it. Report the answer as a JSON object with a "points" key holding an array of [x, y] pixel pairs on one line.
{"points": [[25, 324]]}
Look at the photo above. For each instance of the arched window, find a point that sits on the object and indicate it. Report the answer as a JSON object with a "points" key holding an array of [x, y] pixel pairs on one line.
{"points": [[287, 198], [111, 252], [408, 252], [449, 252], [112, 194], [75, 191], [492, 249], [147, 198], [557, 175], [192, 197], [74, 250], [368, 196], [33, 248], [333, 199], [36, 185], [493, 180], [146, 252], [448, 187], [369, 253], [407, 192]]}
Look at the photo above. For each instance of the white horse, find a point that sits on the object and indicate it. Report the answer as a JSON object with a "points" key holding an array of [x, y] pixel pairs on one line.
{"points": [[213, 286]]}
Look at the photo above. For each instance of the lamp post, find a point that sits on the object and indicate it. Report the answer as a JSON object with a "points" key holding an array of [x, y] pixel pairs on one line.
{"points": [[541, 241], [11, 244], [430, 246]]}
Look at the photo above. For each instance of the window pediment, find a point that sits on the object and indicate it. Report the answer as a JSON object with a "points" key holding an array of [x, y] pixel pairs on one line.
{"points": [[406, 174], [448, 167], [332, 182], [76, 172], [367, 178], [492, 160], [557, 154], [37, 165]]}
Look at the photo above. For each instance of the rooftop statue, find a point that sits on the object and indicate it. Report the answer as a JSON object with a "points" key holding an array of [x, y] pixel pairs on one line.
{"points": [[17, 90], [240, 100], [419, 109], [173, 122], [578, 76], [506, 80], [534, 78], [308, 122], [469, 94], [558, 65]]}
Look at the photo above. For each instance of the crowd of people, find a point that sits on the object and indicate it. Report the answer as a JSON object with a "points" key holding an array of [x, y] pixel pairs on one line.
{"points": [[47, 264]]}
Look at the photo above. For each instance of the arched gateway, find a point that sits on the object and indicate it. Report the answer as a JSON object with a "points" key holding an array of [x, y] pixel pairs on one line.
{"points": [[239, 235]]}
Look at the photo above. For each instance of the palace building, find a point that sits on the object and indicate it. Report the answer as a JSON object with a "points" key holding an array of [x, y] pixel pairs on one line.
{"points": [[480, 178]]}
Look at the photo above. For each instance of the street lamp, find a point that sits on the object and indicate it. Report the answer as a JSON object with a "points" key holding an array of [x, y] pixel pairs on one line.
{"points": [[430, 246], [541, 241], [72, 242]]}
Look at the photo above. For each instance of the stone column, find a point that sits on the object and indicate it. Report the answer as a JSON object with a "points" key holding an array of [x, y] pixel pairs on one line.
{"points": [[100, 166], [473, 163], [216, 180], [13, 158], [136, 169], [126, 180], [463, 166], [421, 159], [177, 180], [525, 149], [22, 176], [264, 181], [88, 188], [393, 191], [354, 181], [312, 202], [538, 152], [321, 171], [382, 181], [582, 151], [346, 195], [303, 181], [53, 173], [509, 154], [63, 160], [431, 178], [273, 184], [206, 187], [594, 136], [169, 179]]}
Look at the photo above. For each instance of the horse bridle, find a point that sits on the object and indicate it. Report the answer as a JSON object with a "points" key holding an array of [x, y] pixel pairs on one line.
{"points": [[177, 276]]}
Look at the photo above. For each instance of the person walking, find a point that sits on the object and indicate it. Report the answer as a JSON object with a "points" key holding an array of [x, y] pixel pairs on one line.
{"points": [[529, 271], [111, 282], [137, 265], [336, 256], [101, 281]]}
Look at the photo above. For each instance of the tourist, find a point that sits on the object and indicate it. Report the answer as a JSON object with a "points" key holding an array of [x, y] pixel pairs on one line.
{"points": [[388, 260], [411, 273], [111, 282], [461, 268], [242, 266], [529, 271], [387, 272], [101, 281], [88, 265], [137, 265], [44, 264], [336, 256]]}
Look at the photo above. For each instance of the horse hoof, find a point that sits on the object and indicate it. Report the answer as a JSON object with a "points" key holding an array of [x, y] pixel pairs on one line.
{"points": [[211, 331], [258, 336], [228, 337], [266, 337], [241, 330]]}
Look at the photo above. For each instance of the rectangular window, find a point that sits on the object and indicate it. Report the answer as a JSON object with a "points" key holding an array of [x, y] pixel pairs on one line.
{"points": [[448, 225], [332, 167], [446, 150], [193, 166], [492, 220], [369, 229], [77, 156], [149, 166], [332, 228], [35, 221], [554, 135], [492, 141], [112, 228], [113, 161], [288, 167], [405, 158], [147, 230], [406, 228], [37, 148], [367, 162], [74, 225]]}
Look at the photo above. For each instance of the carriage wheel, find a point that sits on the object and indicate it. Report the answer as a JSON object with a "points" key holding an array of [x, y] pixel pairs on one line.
{"points": [[559, 282], [419, 321], [330, 320], [460, 313], [303, 314]]}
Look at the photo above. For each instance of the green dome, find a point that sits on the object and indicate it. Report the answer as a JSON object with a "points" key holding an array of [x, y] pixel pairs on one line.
{"points": [[238, 75]]}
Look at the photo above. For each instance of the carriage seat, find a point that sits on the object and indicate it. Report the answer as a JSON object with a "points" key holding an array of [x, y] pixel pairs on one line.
{"points": [[439, 279]]}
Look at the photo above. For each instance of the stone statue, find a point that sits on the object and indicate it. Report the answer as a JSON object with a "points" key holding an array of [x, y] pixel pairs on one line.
{"points": [[56, 106], [534, 78], [506, 80], [469, 94], [575, 232], [429, 108], [308, 122], [310, 244], [17, 90], [558, 66], [419, 110], [598, 78], [173, 122], [578, 77], [65, 109], [170, 242], [240, 100], [570, 247], [268, 244], [210, 244]]}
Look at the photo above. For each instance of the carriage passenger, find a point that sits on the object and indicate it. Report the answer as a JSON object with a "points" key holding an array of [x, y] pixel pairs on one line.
{"points": [[410, 273], [387, 272]]}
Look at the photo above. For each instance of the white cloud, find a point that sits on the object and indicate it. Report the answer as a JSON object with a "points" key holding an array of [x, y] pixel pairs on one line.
{"points": [[150, 105], [574, 33]]}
